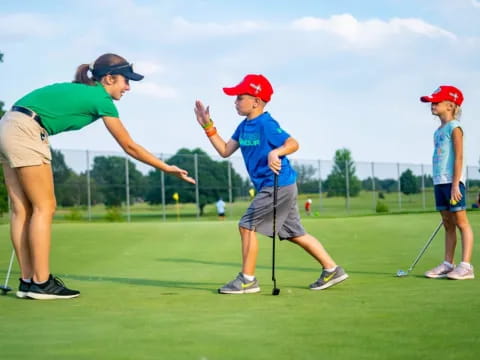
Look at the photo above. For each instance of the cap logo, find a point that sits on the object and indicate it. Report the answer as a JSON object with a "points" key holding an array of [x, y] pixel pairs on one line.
{"points": [[257, 88], [454, 95]]}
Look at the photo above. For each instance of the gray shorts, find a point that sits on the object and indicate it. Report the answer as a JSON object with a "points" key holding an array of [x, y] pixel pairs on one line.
{"points": [[259, 215], [23, 142]]}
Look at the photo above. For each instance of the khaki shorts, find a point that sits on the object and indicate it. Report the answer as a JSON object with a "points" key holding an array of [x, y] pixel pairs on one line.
{"points": [[259, 215], [23, 142]]}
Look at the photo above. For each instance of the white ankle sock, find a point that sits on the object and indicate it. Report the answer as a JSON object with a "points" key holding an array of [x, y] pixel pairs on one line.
{"points": [[249, 277], [448, 264], [28, 281], [331, 269], [466, 265]]}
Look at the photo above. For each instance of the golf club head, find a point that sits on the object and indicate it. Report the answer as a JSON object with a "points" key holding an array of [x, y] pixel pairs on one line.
{"points": [[401, 273], [276, 291], [5, 290]]}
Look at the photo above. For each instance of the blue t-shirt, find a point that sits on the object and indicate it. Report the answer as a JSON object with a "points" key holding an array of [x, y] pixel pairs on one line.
{"points": [[444, 154], [257, 137]]}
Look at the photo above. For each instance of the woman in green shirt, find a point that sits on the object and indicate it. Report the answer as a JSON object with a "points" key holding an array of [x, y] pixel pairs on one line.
{"points": [[25, 156]]}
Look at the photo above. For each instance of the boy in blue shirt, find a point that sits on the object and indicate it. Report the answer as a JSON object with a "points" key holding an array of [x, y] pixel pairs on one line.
{"points": [[264, 146]]}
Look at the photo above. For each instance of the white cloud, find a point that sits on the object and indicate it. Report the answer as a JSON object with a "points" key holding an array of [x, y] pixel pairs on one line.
{"points": [[185, 27], [155, 90], [369, 33], [148, 67], [24, 25]]}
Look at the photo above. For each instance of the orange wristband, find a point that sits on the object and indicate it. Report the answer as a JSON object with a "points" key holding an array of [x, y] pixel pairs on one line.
{"points": [[210, 132]]}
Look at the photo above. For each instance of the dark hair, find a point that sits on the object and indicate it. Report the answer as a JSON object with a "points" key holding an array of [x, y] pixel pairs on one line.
{"points": [[81, 75]]}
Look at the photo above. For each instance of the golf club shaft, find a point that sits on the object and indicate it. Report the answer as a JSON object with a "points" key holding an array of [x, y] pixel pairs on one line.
{"points": [[425, 247], [9, 268], [275, 190]]}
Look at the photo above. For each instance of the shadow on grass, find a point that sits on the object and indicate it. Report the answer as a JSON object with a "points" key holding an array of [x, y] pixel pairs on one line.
{"points": [[267, 267], [208, 286]]}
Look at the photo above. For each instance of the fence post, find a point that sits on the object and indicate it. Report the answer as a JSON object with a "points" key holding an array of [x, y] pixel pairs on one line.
{"points": [[423, 188], [230, 197], [399, 187], [320, 185], [347, 187], [373, 187], [89, 192], [197, 195], [162, 185], [127, 189]]}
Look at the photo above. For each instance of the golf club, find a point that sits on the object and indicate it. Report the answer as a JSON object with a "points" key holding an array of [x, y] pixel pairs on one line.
{"points": [[275, 291], [5, 288], [401, 273]]}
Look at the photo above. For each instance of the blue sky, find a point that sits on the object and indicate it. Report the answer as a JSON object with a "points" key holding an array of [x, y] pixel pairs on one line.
{"points": [[345, 73]]}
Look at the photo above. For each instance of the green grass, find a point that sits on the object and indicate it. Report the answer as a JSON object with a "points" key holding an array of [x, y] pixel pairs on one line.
{"points": [[149, 292]]}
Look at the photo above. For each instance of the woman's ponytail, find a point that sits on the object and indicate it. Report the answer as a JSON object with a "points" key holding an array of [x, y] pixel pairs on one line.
{"points": [[81, 76]]}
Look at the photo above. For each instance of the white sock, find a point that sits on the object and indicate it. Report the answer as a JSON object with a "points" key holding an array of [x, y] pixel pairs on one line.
{"points": [[331, 269], [466, 265], [448, 264], [249, 277], [28, 281]]}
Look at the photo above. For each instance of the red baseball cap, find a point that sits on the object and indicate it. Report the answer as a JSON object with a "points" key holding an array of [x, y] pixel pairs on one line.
{"points": [[444, 93], [252, 84]]}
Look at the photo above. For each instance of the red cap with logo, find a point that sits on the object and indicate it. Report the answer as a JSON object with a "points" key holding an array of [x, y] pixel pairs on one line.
{"points": [[252, 84], [444, 93]]}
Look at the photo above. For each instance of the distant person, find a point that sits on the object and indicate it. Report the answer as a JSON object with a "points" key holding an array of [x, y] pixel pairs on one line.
{"points": [[449, 182], [308, 207], [476, 204], [220, 204], [25, 155], [264, 145]]}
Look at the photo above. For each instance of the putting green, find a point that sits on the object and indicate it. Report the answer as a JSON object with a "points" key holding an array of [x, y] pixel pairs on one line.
{"points": [[149, 292]]}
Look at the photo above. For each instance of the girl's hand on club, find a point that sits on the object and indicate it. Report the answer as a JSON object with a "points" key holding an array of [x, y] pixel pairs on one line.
{"points": [[180, 173], [202, 113], [274, 162]]}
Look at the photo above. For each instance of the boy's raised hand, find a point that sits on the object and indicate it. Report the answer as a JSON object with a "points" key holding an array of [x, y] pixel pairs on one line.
{"points": [[202, 113]]}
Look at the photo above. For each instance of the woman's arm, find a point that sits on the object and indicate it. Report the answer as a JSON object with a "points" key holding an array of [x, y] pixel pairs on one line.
{"points": [[121, 135]]}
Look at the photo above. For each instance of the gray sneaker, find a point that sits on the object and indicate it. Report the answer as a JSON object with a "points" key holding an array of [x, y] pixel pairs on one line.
{"points": [[328, 279], [240, 285]]}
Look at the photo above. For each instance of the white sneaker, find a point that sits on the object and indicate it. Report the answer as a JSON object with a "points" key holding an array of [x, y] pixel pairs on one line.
{"points": [[462, 272], [440, 271]]}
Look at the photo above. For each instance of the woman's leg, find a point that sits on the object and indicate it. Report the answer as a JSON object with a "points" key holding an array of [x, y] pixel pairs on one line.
{"points": [[21, 212], [37, 184]]}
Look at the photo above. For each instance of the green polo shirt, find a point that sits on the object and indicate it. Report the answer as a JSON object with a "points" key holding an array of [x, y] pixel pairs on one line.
{"points": [[69, 106]]}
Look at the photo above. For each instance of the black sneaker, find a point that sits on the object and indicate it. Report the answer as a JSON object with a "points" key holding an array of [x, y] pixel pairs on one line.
{"points": [[23, 289], [54, 288], [328, 279]]}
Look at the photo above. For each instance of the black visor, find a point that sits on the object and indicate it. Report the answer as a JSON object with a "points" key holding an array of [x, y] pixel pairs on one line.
{"points": [[124, 69]]}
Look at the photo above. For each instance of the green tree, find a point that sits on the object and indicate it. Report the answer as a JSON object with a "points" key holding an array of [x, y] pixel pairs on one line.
{"points": [[109, 175], [306, 181], [213, 180], [408, 183], [336, 184]]}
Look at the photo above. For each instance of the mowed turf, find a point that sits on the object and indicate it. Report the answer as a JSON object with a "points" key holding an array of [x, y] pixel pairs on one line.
{"points": [[149, 292]]}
